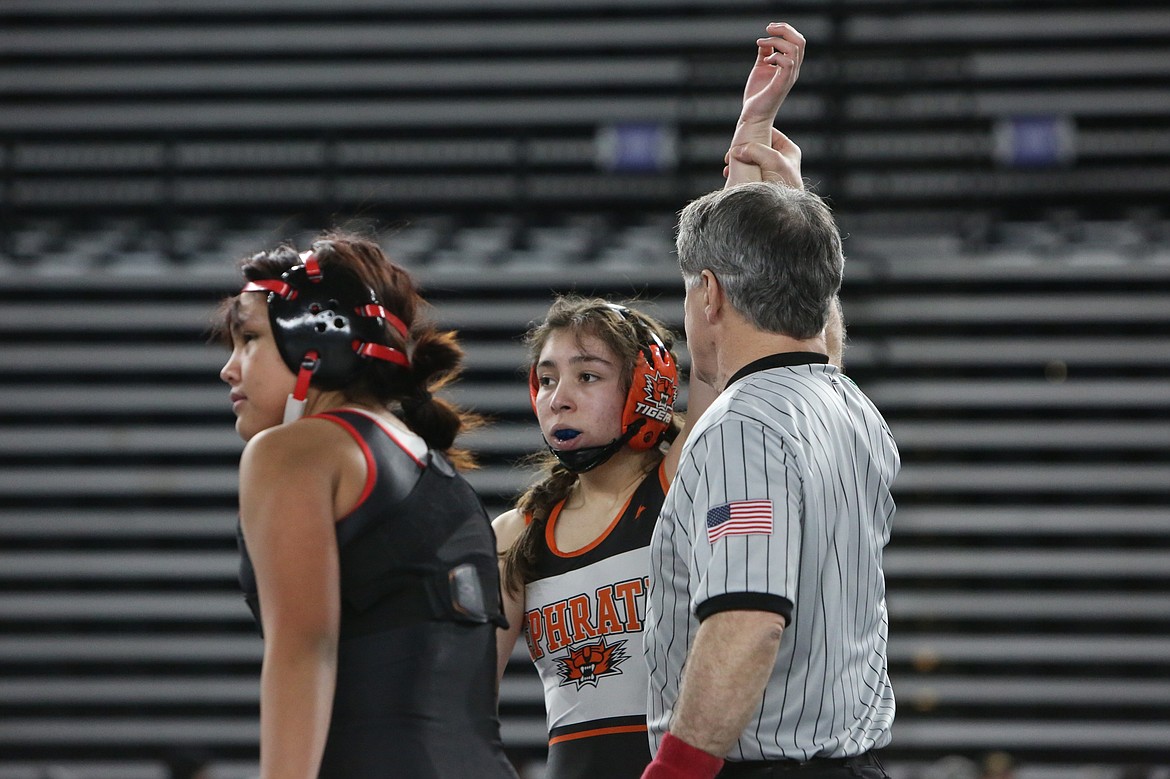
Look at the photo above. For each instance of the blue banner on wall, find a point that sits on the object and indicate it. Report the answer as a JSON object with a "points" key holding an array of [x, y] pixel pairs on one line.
{"points": [[1035, 141]]}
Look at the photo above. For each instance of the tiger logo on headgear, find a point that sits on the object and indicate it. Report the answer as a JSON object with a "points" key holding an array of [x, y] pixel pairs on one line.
{"points": [[658, 402]]}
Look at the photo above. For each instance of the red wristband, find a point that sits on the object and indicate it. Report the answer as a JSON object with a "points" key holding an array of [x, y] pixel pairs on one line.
{"points": [[676, 759]]}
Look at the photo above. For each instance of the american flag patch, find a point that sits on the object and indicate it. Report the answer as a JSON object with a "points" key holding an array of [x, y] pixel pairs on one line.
{"points": [[739, 518]]}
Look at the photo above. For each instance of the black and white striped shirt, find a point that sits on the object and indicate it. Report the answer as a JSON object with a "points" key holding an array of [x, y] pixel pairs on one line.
{"points": [[781, 502]]}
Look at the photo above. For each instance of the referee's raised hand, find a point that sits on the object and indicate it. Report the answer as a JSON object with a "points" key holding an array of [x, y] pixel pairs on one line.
{"points": [[778, 58]]}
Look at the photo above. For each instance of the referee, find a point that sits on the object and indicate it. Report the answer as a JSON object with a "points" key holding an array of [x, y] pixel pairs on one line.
{"points": [[766, 620]]}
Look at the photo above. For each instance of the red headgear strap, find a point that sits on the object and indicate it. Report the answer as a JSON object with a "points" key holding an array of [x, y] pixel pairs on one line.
{"points": [[304, 375], [277, 286], [393, 321], [312, 267], [379, 352]]}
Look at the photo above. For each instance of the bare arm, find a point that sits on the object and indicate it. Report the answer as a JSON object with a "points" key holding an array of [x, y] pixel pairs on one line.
{"points": [[700, 395], [727, 669], [508, 527], [777, 66], [287, 514]]}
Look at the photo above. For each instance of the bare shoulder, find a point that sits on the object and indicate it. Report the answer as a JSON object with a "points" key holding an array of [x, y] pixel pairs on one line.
{"points": [[288, 446], [508, 527], [296, 440]]}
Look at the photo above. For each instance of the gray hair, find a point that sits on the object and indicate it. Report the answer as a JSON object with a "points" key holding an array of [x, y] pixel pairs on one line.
{"points": [[775, 250]]}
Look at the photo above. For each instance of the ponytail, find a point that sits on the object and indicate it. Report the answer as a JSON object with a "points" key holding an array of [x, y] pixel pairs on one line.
{"points": [[435, 362]]}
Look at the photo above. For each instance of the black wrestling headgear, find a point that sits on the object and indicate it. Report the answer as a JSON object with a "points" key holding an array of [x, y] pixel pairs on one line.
{"points": [[326, 326]]}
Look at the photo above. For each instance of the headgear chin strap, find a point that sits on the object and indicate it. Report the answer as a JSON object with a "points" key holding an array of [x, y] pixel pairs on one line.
{"points": [[326, 327], [589, 457], [294, 407]]}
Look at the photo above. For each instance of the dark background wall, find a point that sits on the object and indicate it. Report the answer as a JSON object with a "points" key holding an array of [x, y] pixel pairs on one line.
{"points": [[1001, 171]]}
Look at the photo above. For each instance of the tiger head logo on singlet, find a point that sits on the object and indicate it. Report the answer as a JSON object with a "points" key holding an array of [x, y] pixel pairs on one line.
{"points": [[586, 664]]}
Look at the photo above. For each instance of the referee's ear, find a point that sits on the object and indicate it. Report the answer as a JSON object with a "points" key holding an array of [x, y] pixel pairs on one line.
{"points": [[714, 301]]}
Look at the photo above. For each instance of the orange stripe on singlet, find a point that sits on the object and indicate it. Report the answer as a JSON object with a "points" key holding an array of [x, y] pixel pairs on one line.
{"points": [[598, 732], [555, 514]]}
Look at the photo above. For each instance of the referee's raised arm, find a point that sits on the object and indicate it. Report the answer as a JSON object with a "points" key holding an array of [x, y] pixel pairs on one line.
{"points": [[758, 152]]}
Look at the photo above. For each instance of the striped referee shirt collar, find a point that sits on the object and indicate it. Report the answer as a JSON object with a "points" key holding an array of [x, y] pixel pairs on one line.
{"points": [[782, 360]]}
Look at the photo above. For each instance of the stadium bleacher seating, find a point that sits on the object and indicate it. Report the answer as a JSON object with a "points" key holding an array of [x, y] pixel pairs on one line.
{"points": [[1002, 186]]}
